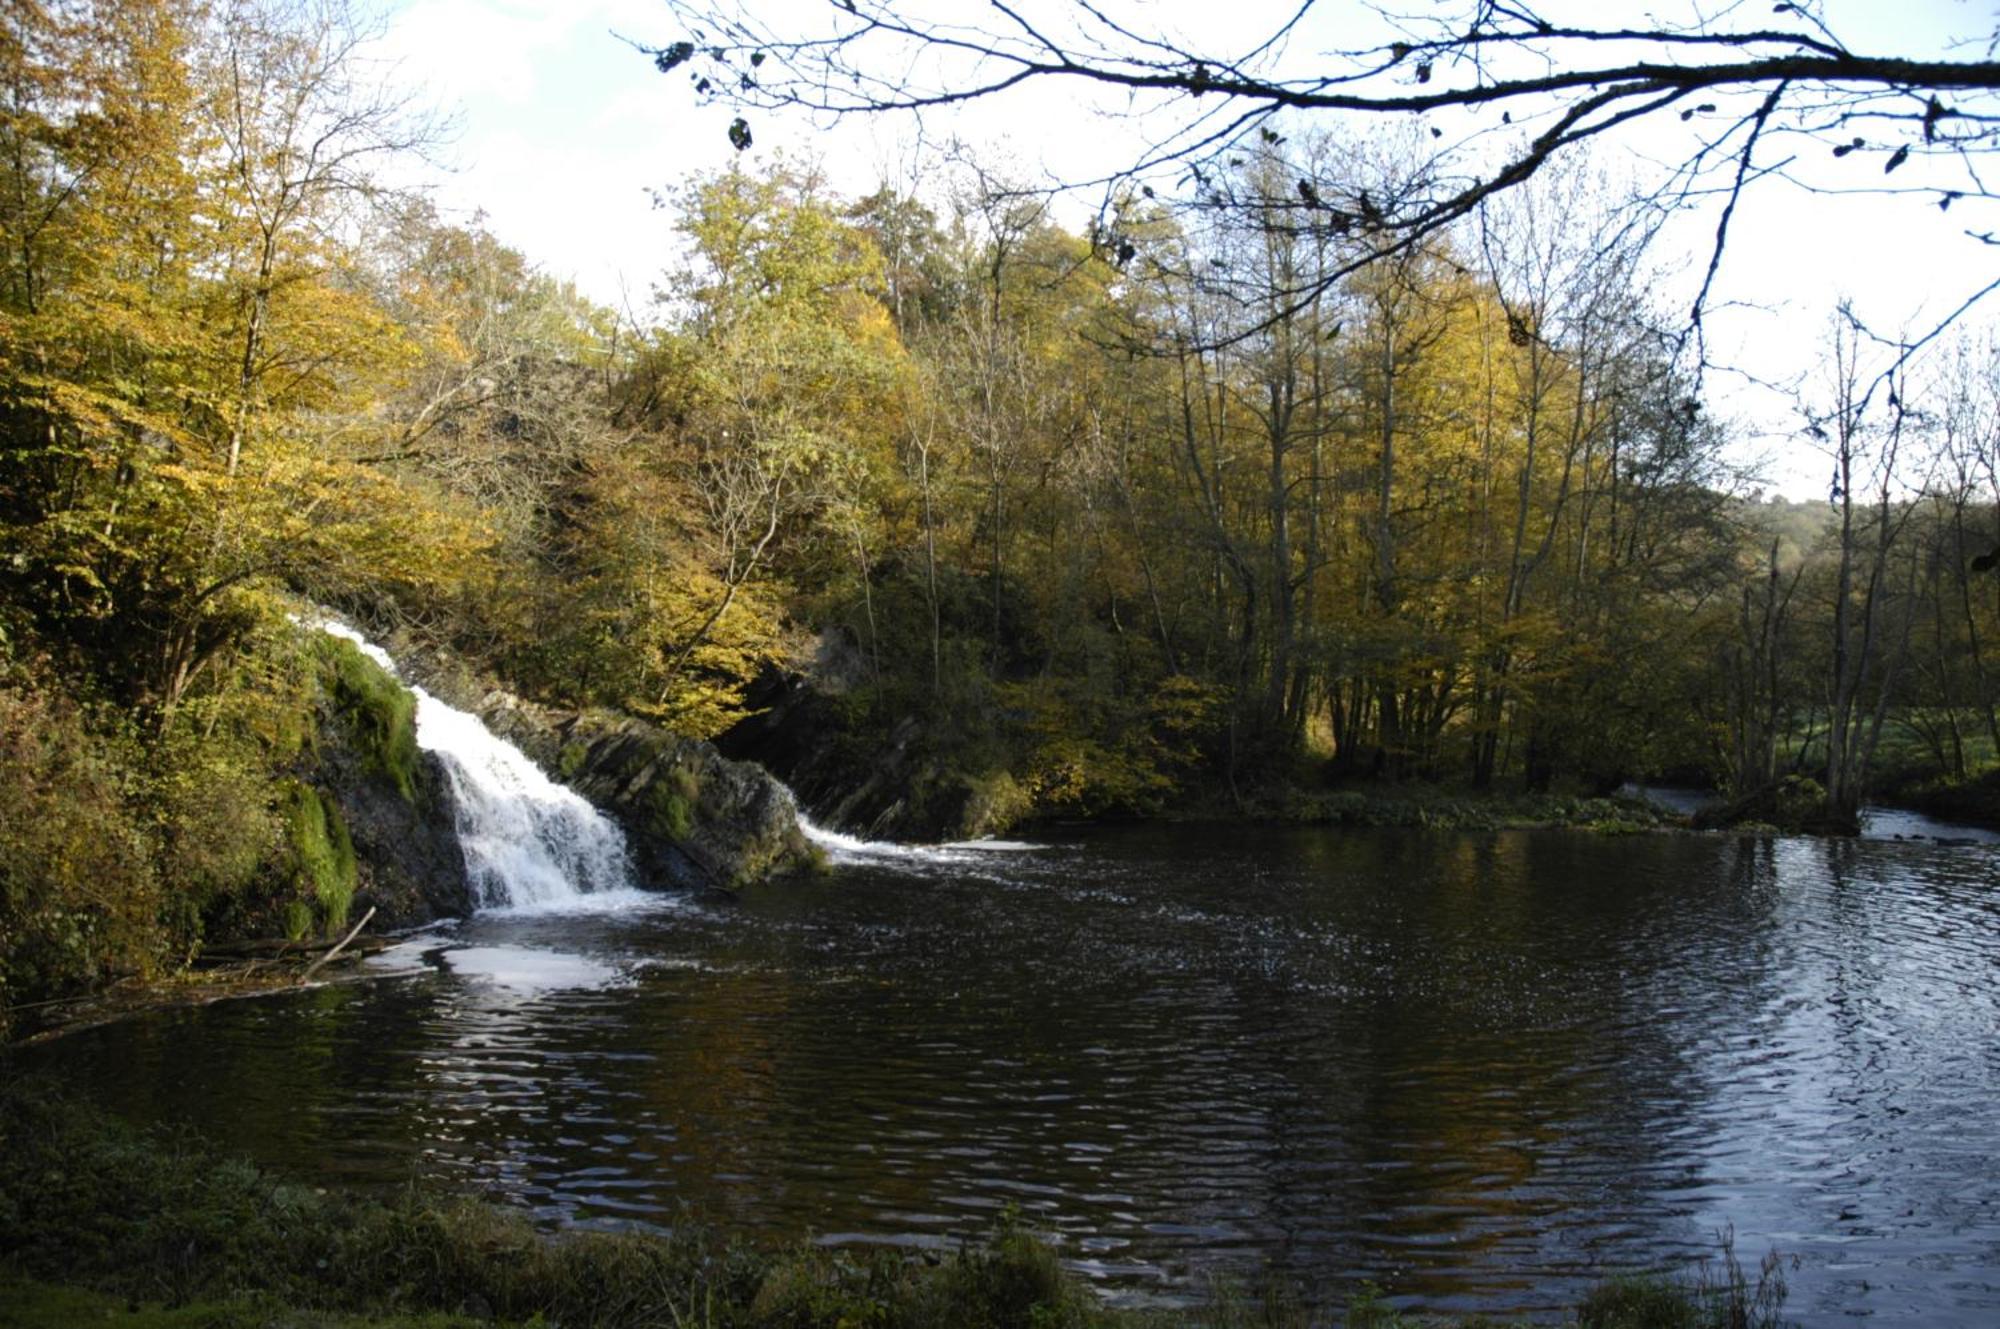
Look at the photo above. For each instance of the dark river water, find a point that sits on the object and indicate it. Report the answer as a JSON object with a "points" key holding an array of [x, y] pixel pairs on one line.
{"points": [[1482, 1071]]}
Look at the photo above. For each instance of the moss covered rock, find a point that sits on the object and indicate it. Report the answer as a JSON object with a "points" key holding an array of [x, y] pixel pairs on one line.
{"points": [[669, 804], [375, 712], [693, 817], [322, 865], [385, 804]]}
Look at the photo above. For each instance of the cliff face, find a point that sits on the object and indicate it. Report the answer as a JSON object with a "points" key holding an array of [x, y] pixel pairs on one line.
{"points": [[385, 811], [408, 864], [693, 817]]}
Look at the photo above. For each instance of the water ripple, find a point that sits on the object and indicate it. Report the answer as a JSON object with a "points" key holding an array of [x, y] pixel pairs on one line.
{"points": [[1480, 1070]]}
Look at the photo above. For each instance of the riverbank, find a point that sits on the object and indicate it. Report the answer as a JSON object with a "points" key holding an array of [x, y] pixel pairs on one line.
{"points": [[1971, 802], [222, 973], [131, 853], [107, 1225], [1432, 807]]}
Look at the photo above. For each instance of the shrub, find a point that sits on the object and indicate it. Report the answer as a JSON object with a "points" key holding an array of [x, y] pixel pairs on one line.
{"points": [[79, 898]]}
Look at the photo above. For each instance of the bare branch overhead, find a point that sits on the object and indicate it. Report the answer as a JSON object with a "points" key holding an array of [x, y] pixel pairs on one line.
{"points": [[1501, 87]]}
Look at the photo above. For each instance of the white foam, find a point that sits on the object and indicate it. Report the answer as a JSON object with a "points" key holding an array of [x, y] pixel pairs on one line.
{"points": [[844, 848], [529, 842], [621, 900]]}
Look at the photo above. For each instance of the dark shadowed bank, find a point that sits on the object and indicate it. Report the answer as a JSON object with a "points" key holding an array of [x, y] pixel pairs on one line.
{"points": [[894, 766], [103, 1224], [1974, 801]]}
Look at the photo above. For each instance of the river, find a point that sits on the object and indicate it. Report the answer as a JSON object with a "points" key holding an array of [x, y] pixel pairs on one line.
{"points": [[1480, 1070]]}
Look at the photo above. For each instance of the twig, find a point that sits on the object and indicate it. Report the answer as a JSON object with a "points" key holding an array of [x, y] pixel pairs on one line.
{"points": [[52, 1001], [338, 946]]}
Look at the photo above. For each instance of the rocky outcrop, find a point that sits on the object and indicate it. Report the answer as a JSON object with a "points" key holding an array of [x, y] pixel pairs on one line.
{"points": [[693, 817], [897, 789], [408, 863]]}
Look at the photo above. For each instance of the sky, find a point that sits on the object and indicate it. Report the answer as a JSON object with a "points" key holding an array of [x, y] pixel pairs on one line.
{"points": [[564, 131]]}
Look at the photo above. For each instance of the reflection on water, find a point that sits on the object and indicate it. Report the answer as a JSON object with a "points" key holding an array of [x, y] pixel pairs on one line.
{"points": [[523, 969], [1903, 824], [1480, 1070]]}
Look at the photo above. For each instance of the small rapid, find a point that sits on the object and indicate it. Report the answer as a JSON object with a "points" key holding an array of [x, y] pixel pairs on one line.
{"points": [[843, 848], [530, 844]]}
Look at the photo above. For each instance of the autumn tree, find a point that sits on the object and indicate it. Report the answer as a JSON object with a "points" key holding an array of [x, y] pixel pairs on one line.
{"points": [[765, 393], [182, 305]]}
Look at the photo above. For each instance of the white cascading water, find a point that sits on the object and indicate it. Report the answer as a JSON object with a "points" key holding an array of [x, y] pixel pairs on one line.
{"points": [[843, 848], [530, 844]]}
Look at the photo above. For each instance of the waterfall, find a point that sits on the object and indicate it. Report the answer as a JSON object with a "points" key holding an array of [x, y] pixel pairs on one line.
{"points": [[529, 842]]}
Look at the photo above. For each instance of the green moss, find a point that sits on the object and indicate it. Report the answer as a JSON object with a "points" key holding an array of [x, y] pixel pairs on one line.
{"points": [[377, 714], [570, 760], [670, 805], [322, 854]]}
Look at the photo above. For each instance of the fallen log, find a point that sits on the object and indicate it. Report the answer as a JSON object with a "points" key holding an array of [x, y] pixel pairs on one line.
{"points": [[338, 946]]}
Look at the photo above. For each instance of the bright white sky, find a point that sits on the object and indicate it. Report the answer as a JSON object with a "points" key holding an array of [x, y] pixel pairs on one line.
{"points": [[564, 129]]}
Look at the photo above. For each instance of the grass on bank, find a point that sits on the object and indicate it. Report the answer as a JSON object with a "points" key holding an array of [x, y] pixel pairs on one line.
{"points": [[104, 1224]]}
